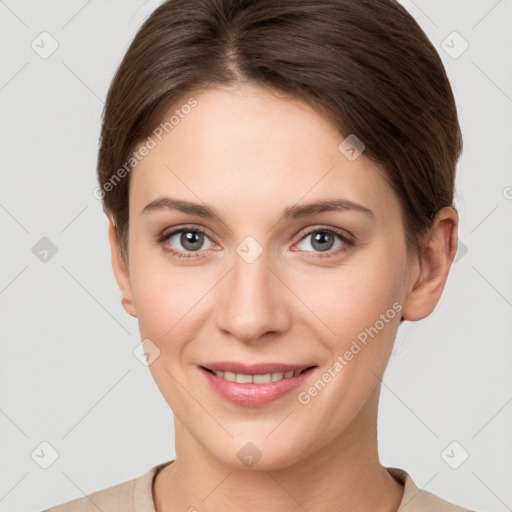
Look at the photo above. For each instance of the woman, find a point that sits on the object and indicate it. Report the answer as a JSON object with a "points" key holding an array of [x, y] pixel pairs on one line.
{"points": [[238, 138]]}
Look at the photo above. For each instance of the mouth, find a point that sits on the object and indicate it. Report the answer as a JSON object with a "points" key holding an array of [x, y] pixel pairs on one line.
{"points": [[258, 378], [254, 385]]}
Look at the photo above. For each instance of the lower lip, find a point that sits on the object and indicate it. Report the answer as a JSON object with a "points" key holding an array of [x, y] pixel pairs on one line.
{"points": [[252, 395]]}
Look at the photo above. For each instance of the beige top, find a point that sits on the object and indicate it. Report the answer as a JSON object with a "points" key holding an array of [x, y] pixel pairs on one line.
{"points": [[137, 496]]}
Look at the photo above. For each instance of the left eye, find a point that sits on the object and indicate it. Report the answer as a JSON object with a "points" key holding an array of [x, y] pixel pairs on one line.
{"points": [[323, 240]]}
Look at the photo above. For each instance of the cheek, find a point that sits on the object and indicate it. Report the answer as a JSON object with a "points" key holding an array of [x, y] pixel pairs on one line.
{"points": [[350, 298], [170, 301]]}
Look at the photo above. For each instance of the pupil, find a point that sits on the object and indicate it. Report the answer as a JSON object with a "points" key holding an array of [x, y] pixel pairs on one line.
{"points": [[191, 240], [321, 237]]}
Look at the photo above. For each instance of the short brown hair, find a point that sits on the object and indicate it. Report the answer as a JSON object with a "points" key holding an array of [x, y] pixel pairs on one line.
{"points": [[365, 64]]}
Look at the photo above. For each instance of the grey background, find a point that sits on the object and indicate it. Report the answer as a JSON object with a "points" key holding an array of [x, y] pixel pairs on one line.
{"points": [[67, 369]]}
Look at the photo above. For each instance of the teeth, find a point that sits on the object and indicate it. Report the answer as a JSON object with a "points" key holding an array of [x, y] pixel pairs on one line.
{"points": [[256, 379], [262, 379], [229, 376], [277, 376], [243, 379]]}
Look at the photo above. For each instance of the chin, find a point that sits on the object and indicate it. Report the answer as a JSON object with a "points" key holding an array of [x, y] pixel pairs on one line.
{"points": [[260, 454]]}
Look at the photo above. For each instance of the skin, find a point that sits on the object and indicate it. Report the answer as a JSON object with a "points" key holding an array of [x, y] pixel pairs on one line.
{"points": [[249, 153]]}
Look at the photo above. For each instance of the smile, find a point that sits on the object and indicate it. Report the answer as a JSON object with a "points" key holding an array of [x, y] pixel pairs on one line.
{"points": [[254, 385], [265, 378]]}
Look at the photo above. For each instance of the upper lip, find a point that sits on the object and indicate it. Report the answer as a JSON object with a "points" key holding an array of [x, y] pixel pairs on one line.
{"points": [[254, 369]]}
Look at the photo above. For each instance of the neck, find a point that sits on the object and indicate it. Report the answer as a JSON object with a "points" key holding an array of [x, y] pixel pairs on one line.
{"points": [[345, 475]]}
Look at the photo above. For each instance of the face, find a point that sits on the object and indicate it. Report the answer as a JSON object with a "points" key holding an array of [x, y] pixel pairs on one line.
{"points": [[250, 281]]}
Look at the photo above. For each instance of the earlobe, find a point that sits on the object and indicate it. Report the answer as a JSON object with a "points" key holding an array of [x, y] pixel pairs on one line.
{"points": [[121, 271], [434, 265]]}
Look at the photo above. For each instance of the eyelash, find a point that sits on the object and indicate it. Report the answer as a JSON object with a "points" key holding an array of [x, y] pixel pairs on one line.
{"points": [[347, 242]]}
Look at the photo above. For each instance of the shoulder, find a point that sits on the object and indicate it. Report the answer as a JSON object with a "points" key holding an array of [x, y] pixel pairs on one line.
{"points": [[130, 496], [419, 500], [117, 497]]}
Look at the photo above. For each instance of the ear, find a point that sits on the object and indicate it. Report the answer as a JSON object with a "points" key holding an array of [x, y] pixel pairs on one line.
{"points": [[121, 270], [434, 264]]}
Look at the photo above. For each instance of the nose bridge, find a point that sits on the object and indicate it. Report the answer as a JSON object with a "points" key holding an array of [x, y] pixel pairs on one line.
{"points": [[251, 303]]}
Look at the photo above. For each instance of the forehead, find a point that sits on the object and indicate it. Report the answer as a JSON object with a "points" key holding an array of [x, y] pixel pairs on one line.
{"points": [[246, 146]]}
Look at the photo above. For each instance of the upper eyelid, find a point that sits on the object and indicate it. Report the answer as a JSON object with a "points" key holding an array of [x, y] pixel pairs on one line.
{"points": [[337, 231], [179, 229]]}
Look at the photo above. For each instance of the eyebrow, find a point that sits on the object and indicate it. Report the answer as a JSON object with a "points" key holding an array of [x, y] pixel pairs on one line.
{"points": [[292, 212]]}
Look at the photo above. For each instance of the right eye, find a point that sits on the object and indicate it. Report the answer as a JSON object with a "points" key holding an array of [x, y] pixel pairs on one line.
{"points": [[190, 239]]}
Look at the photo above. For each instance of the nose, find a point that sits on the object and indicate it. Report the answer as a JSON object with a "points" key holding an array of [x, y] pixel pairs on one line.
{"points": [[252, 302]]}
